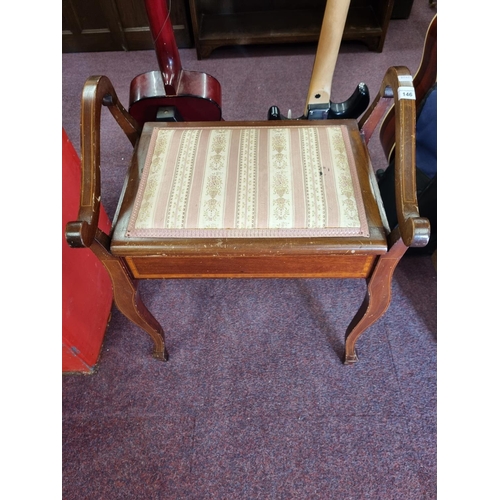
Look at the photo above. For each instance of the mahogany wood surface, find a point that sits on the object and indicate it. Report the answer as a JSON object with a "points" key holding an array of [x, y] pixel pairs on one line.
{"points": [[425, 78], [267, 266], [98, 92], [377, 299], [127, 259], [266, 249], [413, 229], [126, 295]]}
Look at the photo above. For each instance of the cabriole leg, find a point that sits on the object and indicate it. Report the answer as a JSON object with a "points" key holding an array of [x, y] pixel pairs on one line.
{"points": [[126, 295], [376, 301]]}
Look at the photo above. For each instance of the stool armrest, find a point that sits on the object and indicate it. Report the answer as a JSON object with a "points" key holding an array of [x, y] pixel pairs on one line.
{"points": [[97, 92], [413, 229]]}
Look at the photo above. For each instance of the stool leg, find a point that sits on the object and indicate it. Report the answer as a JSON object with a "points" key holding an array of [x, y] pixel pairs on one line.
{"points": [[126, 295], [376, 301]]}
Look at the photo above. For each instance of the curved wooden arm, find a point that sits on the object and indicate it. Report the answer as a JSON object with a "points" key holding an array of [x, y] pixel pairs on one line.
{"points": [[97, 92], [425, 78], [413, 229]]}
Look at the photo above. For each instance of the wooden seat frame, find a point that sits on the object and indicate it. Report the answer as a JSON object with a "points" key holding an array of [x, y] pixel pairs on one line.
{"points": [[373, 258]]}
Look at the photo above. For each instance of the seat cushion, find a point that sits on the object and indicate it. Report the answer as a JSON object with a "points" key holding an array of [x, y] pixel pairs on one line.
{"points": [[230, 181]]}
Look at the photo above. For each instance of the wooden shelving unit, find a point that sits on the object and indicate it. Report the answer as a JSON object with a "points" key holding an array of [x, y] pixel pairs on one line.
{"points": [[241, 22], [103, 25]]}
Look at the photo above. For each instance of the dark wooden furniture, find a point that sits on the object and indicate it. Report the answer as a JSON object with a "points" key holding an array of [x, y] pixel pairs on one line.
{"points": [[425, 81], [373, 257], [402, 9], [241, 22], [104, 25], [425, 78]]}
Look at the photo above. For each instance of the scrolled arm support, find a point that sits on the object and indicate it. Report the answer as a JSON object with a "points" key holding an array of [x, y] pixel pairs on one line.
{"points": [[97, 92], [413, 229], [79, 234]]}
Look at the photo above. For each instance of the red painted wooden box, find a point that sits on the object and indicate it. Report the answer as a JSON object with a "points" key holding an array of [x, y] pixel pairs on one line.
{"points": [[87, 295]]}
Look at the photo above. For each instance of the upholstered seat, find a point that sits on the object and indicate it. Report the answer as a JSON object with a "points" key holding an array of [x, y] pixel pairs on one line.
{"points": [[234, 181], [308, 198]]}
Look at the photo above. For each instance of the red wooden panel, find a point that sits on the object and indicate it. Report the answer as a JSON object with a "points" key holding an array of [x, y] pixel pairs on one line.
{"points": [[87, 295]]}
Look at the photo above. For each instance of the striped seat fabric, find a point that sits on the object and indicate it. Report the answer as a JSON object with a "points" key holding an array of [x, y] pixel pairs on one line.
{"points": [[244, 182]]}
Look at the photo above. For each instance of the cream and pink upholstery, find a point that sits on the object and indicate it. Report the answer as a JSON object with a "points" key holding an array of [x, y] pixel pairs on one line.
{"points": [[249, 182]]}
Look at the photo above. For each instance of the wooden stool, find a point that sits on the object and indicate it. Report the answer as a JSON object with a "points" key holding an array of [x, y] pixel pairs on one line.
{"points": [[284, 199]]}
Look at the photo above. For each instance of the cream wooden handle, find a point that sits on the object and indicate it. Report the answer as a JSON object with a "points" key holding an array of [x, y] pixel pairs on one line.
{"points": [[330, 37]]}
